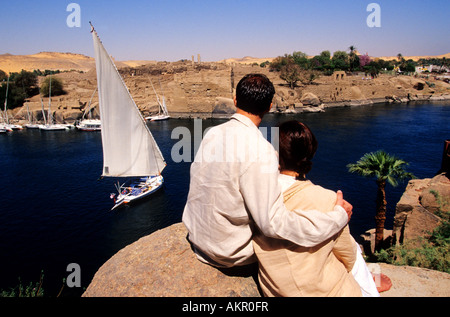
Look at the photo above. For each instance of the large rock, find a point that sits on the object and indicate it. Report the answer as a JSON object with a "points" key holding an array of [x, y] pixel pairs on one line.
{"points": [[310, 99], [163, 264], [417, 212], [436, 198], [224, 106], [356, 94]]}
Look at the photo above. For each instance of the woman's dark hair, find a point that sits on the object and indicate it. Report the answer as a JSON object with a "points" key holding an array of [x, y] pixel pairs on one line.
{"points": [[297, 147], [254, 94]]}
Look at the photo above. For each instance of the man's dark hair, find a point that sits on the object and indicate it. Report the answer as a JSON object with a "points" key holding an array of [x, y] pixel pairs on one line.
{"points": [[297, 147], [254, 94]]}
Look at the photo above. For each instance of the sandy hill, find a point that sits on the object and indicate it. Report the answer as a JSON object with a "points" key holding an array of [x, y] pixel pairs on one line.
{"points": [[251, 60], [55, 61], [415, 58], [46, 60], [70, 61], [246, 60]]}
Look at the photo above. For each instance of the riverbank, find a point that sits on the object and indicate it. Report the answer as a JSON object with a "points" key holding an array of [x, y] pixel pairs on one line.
{"points": [[207, 89]]}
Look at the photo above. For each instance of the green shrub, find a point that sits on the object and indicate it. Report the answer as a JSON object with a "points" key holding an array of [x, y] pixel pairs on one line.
{"points": [[431, 253], [56, 87]]}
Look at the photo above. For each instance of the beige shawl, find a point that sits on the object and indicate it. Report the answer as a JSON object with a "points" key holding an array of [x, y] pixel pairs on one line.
{"points": [[286, 269]]}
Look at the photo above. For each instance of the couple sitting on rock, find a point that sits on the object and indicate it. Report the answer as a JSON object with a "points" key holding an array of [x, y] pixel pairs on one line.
{"points": [[255, 207]]}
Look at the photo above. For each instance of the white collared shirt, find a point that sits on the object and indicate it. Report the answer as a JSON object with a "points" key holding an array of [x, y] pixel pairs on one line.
{"points": [[234, 187]]}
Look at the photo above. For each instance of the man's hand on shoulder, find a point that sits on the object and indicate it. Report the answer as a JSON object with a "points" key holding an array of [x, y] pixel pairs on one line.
{"points": [[344, 204]]}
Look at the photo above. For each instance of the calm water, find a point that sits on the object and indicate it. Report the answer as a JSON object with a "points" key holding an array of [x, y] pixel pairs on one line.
{"points": [[54, 210]]}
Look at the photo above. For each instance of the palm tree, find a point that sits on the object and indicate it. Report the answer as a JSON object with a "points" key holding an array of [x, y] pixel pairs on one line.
{"points": [[384, 167], [352, 56]]}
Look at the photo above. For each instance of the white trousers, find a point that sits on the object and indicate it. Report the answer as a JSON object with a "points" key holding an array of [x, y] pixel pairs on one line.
{"points": [[363, 276]]}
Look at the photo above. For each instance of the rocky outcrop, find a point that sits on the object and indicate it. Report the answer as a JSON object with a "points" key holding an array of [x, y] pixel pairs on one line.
{"points": [[199, 89], [163, 264], [223, 107], [310, 99], [419, 208]]}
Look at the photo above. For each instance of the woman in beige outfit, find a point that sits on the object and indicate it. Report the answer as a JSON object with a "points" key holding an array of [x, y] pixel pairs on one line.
{"points": [[286, 269]]}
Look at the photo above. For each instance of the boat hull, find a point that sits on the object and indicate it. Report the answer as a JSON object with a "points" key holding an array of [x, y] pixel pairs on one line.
{"points": [[89, 129], [89, 125], [4, 129], [138, 190], [15, 127], [157, 118], [55, 127]]}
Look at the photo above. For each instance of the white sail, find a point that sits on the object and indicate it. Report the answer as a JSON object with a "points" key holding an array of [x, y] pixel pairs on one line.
{"points": [[129, 148]]}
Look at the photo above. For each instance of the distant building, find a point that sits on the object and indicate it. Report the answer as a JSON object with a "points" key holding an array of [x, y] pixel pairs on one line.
{"points": [[339, 75], [432, 68]]}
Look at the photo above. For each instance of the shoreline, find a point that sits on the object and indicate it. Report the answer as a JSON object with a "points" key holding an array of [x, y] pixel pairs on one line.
{"points": [[296, 110], [206, 90], [322, 107]]}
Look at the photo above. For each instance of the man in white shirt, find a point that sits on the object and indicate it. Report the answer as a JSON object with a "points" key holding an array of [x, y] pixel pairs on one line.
{"points": [[234, 188]]}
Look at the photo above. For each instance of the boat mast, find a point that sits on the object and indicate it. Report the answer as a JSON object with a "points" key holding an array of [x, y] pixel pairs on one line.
{"points": [[28, 114], [164, 109], [6, 103], [157, 98], [43, 111], [89, 106], [50, 118]]}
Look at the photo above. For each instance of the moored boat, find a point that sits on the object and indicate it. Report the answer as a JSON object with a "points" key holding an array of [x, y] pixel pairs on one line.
{"points": [[89, 125]]}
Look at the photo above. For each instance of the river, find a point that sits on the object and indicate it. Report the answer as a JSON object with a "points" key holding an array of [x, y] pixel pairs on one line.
{"points": [[54, 209]]}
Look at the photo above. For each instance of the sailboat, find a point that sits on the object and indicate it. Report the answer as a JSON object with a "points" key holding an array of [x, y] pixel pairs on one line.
{"points": [[89, 124], [6, 125], [31, 122], [49, 125], [3, 126], [129, 149], [163, 114]]}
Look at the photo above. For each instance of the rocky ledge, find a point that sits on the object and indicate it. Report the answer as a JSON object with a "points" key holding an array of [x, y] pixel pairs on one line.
{"points": [[163, 264], [419, 209]]}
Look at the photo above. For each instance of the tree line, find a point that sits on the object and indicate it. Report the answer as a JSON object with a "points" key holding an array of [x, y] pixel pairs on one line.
{"points": [[299, 67], [23, 85]]}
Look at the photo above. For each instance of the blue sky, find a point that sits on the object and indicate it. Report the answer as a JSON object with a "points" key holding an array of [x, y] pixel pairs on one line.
{"points": [[172, 30]]}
